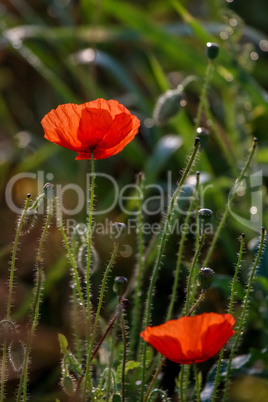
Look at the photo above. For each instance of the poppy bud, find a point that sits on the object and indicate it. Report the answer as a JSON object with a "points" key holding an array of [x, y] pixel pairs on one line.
{"points": [[118, 232], [16, 353], [49, 190], [203, 134], [204, 217], [167, 106], [120, 285], [205, 278], [212, 50]]}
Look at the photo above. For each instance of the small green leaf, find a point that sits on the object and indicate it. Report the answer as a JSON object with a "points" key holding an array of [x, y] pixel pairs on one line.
{"points": [[63, 344], [130, 365]]}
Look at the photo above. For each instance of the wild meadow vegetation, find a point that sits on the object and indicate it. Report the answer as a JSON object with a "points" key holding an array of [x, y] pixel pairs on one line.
{"points": [[139, 271]]}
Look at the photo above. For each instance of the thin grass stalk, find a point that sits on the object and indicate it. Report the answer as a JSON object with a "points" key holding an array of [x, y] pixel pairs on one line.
{"points": [[35, 315], [71, 257], [179, 258], [93, 335], [10, 292], [243, 314], [217, 377], [164, 237], [226, 211], [140, 270]]}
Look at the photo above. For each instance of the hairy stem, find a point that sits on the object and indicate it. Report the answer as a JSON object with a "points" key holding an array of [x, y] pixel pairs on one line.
{"points": [[70, 255], [140, 268], [179, 258], [93, 335], [164, 237], [10, 292], [226, 211], [36, 304], [217, 377], [243, 314]]}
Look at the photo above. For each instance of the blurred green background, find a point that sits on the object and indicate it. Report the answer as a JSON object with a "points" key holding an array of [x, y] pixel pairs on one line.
{"points": [[61, 51]]}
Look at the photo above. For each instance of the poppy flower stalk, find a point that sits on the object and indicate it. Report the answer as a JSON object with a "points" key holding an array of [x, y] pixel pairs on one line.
{"points": [[164, 236], [95, 130]]}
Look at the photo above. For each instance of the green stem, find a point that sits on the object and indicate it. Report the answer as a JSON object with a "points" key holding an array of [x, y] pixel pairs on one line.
{"points": [[111, 359], [90, 218], [182, 383], [189, 283], [244, 310], [217, 377], [70, 255], [95, 351], [157, 372], [203, 96], [179, 258], [186, 379], [164, 237], [90, 347], [11, 280], [197, 384], [140, 269], [226, 211], [197, 303], [24, 374], [124, 336]]}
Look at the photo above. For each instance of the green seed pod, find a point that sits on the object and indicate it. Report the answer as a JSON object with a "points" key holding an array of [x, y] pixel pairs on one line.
{"points": [[49, 190], [204, 218], [118, 232], [212, 50], [203, 134], [205, 278], [68, 386], [120, 285], [16, 353], [167, 106]]}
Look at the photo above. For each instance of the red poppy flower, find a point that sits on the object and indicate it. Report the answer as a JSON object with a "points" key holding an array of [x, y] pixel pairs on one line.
{"points": [[105, 127], [191, 339]]}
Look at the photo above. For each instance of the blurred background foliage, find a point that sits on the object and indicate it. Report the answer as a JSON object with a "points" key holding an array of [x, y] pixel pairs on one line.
{"points": [[61, 51]]}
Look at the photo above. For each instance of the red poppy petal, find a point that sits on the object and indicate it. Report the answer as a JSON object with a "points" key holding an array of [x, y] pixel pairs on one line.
{"points": [[190, 339], [93, 126], [124, 126], [101, 153], [105, 126], [61, 124]]}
